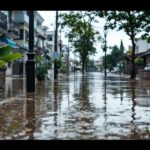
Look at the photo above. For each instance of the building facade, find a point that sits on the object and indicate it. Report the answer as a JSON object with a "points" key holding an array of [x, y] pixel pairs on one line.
{"points": [[15, 24]]}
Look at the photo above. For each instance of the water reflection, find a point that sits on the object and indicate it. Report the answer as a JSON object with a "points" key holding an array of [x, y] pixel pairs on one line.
{"points": [[82, 95], [143, 93], [30, 115], [56, 98], [136, 132], [14, 87], [105, 103], [77, 107], [2, 94], [82, 112], [133, 101], [133, 125]]}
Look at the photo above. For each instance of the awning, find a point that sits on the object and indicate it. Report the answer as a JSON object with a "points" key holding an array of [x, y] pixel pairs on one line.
{"points": [[6, 41]]}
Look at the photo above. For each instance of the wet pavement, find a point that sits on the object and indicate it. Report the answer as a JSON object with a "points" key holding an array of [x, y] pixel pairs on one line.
{"points": [[76, 107]]}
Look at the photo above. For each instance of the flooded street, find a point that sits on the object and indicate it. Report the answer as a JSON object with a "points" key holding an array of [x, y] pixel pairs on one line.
{"points": [[76, 107]]}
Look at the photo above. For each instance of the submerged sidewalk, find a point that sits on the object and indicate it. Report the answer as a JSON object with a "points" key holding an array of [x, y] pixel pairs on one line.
{"points": [[76, 107]]}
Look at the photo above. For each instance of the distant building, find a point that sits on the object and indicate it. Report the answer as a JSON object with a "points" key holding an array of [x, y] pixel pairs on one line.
{"points": [[50, 42], [142, 46], [142, 51], [98, 63], [22, 18], [40, 34]]}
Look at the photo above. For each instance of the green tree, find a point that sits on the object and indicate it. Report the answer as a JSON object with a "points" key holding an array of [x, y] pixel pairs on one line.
{"points": [[132, 22], [122, 47], [90, 65], [114, 57], [109, 62], [81, 33], [139, 61]]}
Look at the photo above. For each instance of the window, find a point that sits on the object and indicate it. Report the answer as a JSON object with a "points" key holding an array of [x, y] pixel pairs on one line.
{"points": [[21, 34], [50, 37], [26, 35], [38, 23]]}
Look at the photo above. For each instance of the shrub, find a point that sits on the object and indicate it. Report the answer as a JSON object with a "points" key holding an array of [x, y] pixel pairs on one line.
{"points": [[139, 61], [7, 55]]}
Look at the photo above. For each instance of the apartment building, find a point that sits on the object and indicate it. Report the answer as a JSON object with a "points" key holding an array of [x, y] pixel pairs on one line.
{"points": [[8, 27], [12, 25], [45, 30], [22, 18], [50, 42], [40, 33], [8, 31], [3, 22], [15, 24]]}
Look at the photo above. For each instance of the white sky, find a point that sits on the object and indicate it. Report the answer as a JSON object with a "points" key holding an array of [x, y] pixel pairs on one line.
{"points": [[113, 37]]}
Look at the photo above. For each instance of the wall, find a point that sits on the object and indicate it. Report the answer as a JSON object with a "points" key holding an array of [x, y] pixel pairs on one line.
{"points": [[142, 46]]}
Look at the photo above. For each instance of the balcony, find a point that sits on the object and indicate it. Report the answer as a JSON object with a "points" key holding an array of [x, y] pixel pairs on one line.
{"points": [[40, 33], [13, 28], [20, 17], [3, 21]]}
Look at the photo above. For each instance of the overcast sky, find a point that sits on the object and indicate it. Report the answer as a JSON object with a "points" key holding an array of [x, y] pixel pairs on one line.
{"points": [[113, 37]]}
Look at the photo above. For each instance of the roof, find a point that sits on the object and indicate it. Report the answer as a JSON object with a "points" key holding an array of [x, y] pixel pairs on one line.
{"points": [[142, 54]]}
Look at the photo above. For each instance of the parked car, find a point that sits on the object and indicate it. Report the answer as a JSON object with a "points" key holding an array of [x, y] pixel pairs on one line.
{"points": [[147, 67]]}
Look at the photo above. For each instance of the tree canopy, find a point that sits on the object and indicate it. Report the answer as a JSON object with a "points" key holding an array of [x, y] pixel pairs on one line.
{"points": [[81, 33], [114, 57], [132, 22]]}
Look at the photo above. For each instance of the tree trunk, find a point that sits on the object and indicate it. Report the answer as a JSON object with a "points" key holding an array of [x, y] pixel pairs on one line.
{"points": [[83, 66], [133, 74], [84, 63]]}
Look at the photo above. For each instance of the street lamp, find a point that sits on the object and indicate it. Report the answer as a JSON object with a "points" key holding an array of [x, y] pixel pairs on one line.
{"points": [[60, 43], [55, 49], [105, 48], [68, 53], [30, 64]]}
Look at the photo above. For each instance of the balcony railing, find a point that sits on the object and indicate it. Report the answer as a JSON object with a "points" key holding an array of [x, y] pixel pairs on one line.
{"points": [[3, 20], [21, 18], [40, 32]]}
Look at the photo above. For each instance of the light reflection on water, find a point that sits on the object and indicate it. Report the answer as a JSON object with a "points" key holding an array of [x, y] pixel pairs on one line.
{"points": [[77, 107]]}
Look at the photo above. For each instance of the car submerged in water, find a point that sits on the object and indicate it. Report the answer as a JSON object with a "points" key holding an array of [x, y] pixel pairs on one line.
{"points": [[147, 67]]}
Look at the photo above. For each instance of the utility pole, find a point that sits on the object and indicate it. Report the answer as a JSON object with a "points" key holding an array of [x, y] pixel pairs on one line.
{"points": [[30, 62], [68, 58], [55, 48], [105, 49], [60, 43]]}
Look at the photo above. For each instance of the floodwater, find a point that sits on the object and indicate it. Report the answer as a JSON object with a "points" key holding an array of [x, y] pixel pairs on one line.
{"points": [[76, 107]]}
